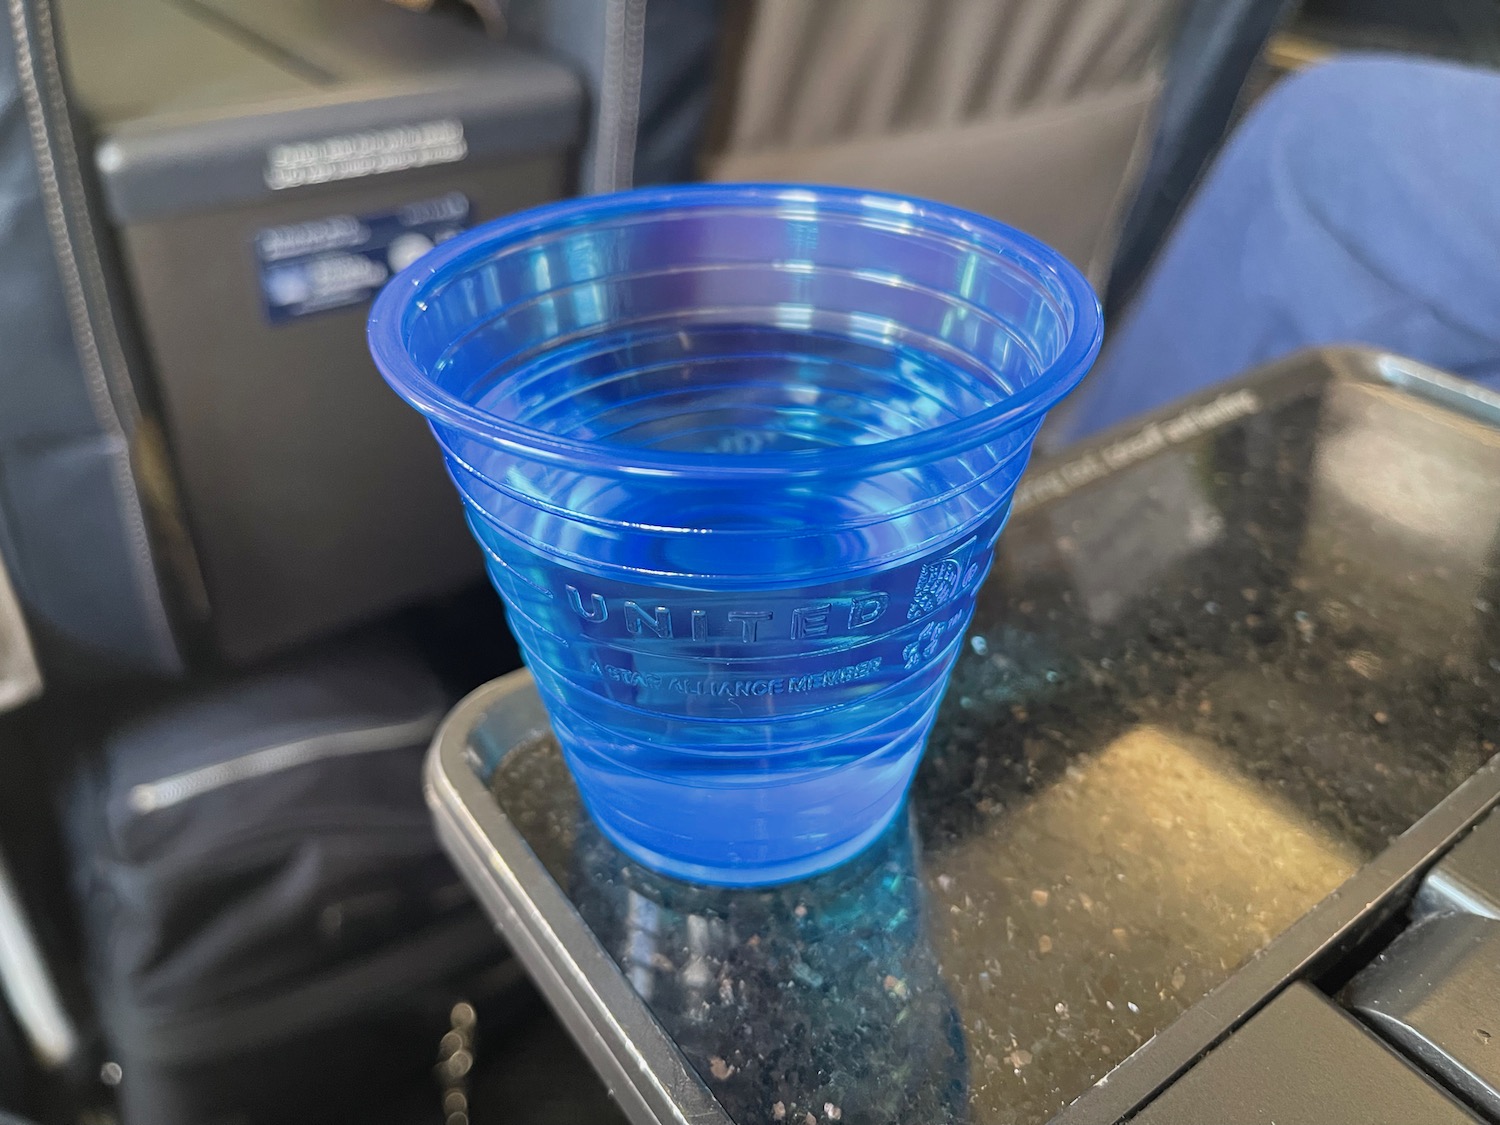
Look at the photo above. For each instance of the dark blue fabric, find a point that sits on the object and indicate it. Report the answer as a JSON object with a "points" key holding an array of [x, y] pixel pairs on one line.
{"points": [[72, 531], [1358, 203]]}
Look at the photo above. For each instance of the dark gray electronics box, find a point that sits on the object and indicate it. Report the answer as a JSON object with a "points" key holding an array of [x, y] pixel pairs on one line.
{"points": [[266, 165]]}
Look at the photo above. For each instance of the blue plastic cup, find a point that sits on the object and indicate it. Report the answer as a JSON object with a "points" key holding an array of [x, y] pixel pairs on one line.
{"points": [[737, 457]]}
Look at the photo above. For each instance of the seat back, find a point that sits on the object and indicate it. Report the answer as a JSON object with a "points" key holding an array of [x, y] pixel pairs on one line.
{"points": [[82, 519], [1033, 111]]}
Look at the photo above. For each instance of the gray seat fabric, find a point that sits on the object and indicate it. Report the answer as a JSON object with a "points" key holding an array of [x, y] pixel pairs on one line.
{"points": [[73, 512], [1033, 111]]}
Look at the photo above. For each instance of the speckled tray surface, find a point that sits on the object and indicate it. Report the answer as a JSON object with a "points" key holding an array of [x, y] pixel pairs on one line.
{"points": [[1221, 663]]}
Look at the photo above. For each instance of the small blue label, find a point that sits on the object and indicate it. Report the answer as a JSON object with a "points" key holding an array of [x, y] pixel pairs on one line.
{"points": [[343, 260]]}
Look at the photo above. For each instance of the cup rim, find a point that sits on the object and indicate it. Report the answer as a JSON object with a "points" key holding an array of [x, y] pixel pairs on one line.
{"points": [[1040, 262]]}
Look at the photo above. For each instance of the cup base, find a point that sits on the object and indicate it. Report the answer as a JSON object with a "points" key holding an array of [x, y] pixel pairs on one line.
{"points": [[754, 875]]}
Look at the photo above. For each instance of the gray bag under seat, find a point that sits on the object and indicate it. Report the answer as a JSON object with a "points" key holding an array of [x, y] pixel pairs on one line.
{"points": [[268, 916]]}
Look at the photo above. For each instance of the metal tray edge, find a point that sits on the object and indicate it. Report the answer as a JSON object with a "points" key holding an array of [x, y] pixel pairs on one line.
{"points": [[1368, 897], [643, 1068]]}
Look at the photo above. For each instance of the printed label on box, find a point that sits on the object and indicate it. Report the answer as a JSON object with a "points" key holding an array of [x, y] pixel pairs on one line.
{"points": [[344, 259], [368, 153]]}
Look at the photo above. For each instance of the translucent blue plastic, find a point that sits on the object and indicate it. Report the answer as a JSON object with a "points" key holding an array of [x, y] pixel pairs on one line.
{"points": [[737, 457]]}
